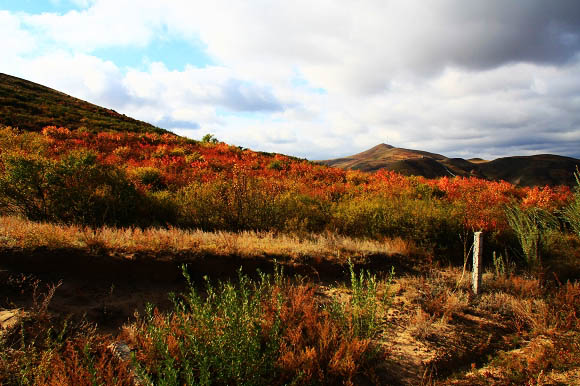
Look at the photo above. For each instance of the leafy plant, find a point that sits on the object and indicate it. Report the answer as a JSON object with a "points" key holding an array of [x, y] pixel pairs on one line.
{"points": [[209, 138], [75, 189], [365, 306]]}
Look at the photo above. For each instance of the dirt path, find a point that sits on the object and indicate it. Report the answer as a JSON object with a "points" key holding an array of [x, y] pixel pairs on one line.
{"points": [[109, 288]]}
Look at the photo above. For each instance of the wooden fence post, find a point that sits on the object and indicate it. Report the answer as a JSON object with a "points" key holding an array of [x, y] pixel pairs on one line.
{"points": [[477, 258]]}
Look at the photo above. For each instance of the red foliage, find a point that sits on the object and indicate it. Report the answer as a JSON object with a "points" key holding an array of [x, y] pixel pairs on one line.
{"points": [[180, 161]]}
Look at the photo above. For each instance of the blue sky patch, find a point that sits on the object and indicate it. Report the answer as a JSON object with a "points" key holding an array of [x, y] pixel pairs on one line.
{"points": [[36, 6], [174, 54]]}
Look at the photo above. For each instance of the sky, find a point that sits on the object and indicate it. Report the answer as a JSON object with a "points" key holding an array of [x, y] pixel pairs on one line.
{"points": [[317, 79]]}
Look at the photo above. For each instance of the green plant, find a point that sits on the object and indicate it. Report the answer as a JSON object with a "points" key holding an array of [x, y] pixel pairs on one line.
{"points": [[218, 338], [363, 310], [571, 213], [530, 226], [148, 176], [194, 157], [75, 189], [25, 186], [503, 266], [209, 138], [275, 165]]}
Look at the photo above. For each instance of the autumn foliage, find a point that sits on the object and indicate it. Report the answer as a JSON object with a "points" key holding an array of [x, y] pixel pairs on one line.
{"points": [[124, 178]]}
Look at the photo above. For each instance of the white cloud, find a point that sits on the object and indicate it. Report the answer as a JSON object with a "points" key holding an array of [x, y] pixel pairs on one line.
{"points": [[461, 78], [103, 24], [15, 40]]}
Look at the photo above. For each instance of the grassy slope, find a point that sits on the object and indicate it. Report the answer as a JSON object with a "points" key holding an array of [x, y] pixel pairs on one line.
{"points": [[31, 106]]}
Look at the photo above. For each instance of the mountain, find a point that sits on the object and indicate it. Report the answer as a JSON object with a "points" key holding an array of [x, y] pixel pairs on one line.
{"points": [[31, 106], [535, 170]]}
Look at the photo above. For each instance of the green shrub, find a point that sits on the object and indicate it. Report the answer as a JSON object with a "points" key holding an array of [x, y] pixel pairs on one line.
{"points": [[242, 203], [159, 208], [217, 338], [258, 332], [428, 222], [178, 152], [530, 225], [148, 176], [25, 186], [571, 213], [302, 213], [76, 189], [194, 157], [209, 138], [365, 306], [275, 165]]}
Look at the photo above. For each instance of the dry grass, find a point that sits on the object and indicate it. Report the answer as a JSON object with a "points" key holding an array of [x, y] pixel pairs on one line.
{"points": [[520, 330], [19, 233]]}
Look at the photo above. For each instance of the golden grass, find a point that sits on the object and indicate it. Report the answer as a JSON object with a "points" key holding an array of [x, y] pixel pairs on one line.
{"points": [[16, 232]]}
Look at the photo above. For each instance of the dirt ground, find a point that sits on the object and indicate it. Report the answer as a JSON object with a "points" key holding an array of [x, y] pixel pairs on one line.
{"points": [[109, 291]]}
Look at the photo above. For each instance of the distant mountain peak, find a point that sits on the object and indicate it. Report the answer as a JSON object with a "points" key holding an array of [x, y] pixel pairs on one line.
{"points": [[538, 170], [383, 146]]}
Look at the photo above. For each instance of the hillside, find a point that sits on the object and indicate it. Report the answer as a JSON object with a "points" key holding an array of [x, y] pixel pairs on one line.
{"points": [[31, 106], [536, 170]]}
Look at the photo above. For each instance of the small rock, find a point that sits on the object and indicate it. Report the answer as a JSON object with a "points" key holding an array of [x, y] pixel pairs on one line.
{"points": [[9, 319]]}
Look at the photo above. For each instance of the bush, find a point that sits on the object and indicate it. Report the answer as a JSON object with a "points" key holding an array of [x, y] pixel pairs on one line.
{"points": [[76, 189], [303, 214], [147, 176], [25, 186], [275, 165], [571, 213], [209, 138], [158, 208], [424, 221], [243, 203], [530, 225], [363, 310]]}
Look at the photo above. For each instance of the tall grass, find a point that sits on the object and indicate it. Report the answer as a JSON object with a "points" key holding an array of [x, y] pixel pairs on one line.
{"points": [[530, 226], [571, 213]]}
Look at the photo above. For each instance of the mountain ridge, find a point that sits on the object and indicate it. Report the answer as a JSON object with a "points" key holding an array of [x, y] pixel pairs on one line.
{"points": [[534, 170]]}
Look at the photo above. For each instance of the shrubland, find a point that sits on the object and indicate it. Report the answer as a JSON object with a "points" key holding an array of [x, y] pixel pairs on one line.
{"points": [[148, 179], [122, 193]]}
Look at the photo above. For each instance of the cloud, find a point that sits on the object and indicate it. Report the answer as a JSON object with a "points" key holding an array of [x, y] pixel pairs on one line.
{"points": [[103, 24], [361, 48], [326, 78], [168, 122], [241, 96], [15, 40]]}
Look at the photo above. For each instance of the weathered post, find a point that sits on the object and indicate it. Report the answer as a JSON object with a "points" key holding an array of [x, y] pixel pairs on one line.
{"points": [[477, 252]]}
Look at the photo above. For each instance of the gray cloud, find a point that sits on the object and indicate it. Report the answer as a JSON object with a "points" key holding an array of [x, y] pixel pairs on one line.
{"points": [[241, 96], [485, 78], [490, 33], [170, 123]]}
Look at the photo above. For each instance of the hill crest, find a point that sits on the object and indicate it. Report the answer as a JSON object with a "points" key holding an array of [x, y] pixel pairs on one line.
{"points": [[535, 170], [30, 106]]}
